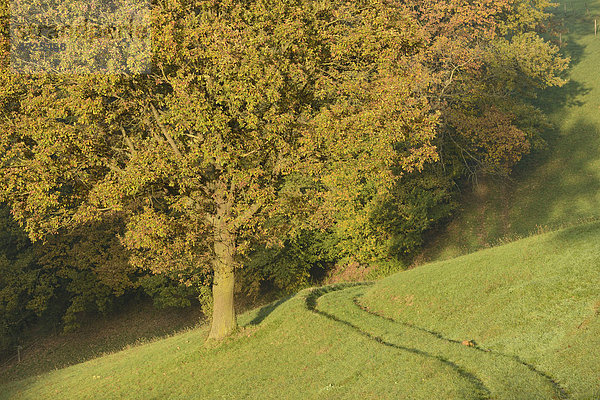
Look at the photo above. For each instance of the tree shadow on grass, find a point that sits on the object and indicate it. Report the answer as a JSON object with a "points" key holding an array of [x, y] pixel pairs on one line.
{"points": [[556, 183], [575, 234], [265, 311], [134, 324], [566, 187], [555, 99]]}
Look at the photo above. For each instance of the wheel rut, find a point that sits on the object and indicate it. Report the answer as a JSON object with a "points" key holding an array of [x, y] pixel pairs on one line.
{"points": [[492, 374]]}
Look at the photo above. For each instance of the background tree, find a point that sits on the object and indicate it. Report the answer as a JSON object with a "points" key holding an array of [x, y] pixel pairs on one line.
{"points": [[487, 61], [479, 66]]}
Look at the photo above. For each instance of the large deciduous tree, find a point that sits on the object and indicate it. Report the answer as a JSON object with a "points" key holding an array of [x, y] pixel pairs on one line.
{"points": [[255, 119]]}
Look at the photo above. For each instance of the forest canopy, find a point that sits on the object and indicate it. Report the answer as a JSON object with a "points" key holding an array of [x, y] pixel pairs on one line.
{"points": [[260, 139]]}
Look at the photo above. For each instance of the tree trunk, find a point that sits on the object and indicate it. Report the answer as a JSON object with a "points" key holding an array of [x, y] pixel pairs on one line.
{"points": [[223, 318]]}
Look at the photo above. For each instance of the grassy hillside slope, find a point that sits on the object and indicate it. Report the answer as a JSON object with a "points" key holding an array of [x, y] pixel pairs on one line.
{"points": [[553, 187], [538, 298], [530, 309], [99, 335]]}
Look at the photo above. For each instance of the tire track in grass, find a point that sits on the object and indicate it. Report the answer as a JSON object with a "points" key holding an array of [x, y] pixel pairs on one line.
{"points": [[311, 304], [496, 367], [560, 391]]}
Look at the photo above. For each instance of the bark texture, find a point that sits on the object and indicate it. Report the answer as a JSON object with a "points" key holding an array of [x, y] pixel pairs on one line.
{"points": [[223, 319]]}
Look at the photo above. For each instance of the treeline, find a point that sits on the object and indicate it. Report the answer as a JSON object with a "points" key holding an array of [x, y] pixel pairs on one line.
{"points": [[268, 140]]}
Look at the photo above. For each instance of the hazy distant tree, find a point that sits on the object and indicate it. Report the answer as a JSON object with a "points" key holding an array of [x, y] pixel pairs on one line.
{"points": [[486, 61]]}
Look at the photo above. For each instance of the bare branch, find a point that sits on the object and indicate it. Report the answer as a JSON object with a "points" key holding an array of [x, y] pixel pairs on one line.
{"points": [[115, 168], [249, 153], [210, 219], [154, 135], [451, 78]]}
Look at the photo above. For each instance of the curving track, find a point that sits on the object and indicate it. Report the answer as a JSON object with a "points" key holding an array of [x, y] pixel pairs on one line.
{"points": [[492, 375]]}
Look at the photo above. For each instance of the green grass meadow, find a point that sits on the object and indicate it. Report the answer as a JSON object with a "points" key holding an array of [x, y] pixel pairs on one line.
{"points": [[529, 308]]}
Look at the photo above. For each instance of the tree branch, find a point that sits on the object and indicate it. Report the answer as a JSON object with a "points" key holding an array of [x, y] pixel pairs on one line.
{"points": [[249, 213], [164, 131], [128, 142], [451, 78], [154, 135], [210, 219]]}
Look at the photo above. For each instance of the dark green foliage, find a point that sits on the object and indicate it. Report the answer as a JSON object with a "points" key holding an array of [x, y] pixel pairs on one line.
{"points": [[301, 260], [91, 266], [166, 292], [416, 203], [25, 288], [17, 280], [86, 270]]}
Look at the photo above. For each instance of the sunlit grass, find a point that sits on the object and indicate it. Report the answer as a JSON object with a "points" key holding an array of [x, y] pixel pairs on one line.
{"points": [[530, 308], [538, 298]]}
